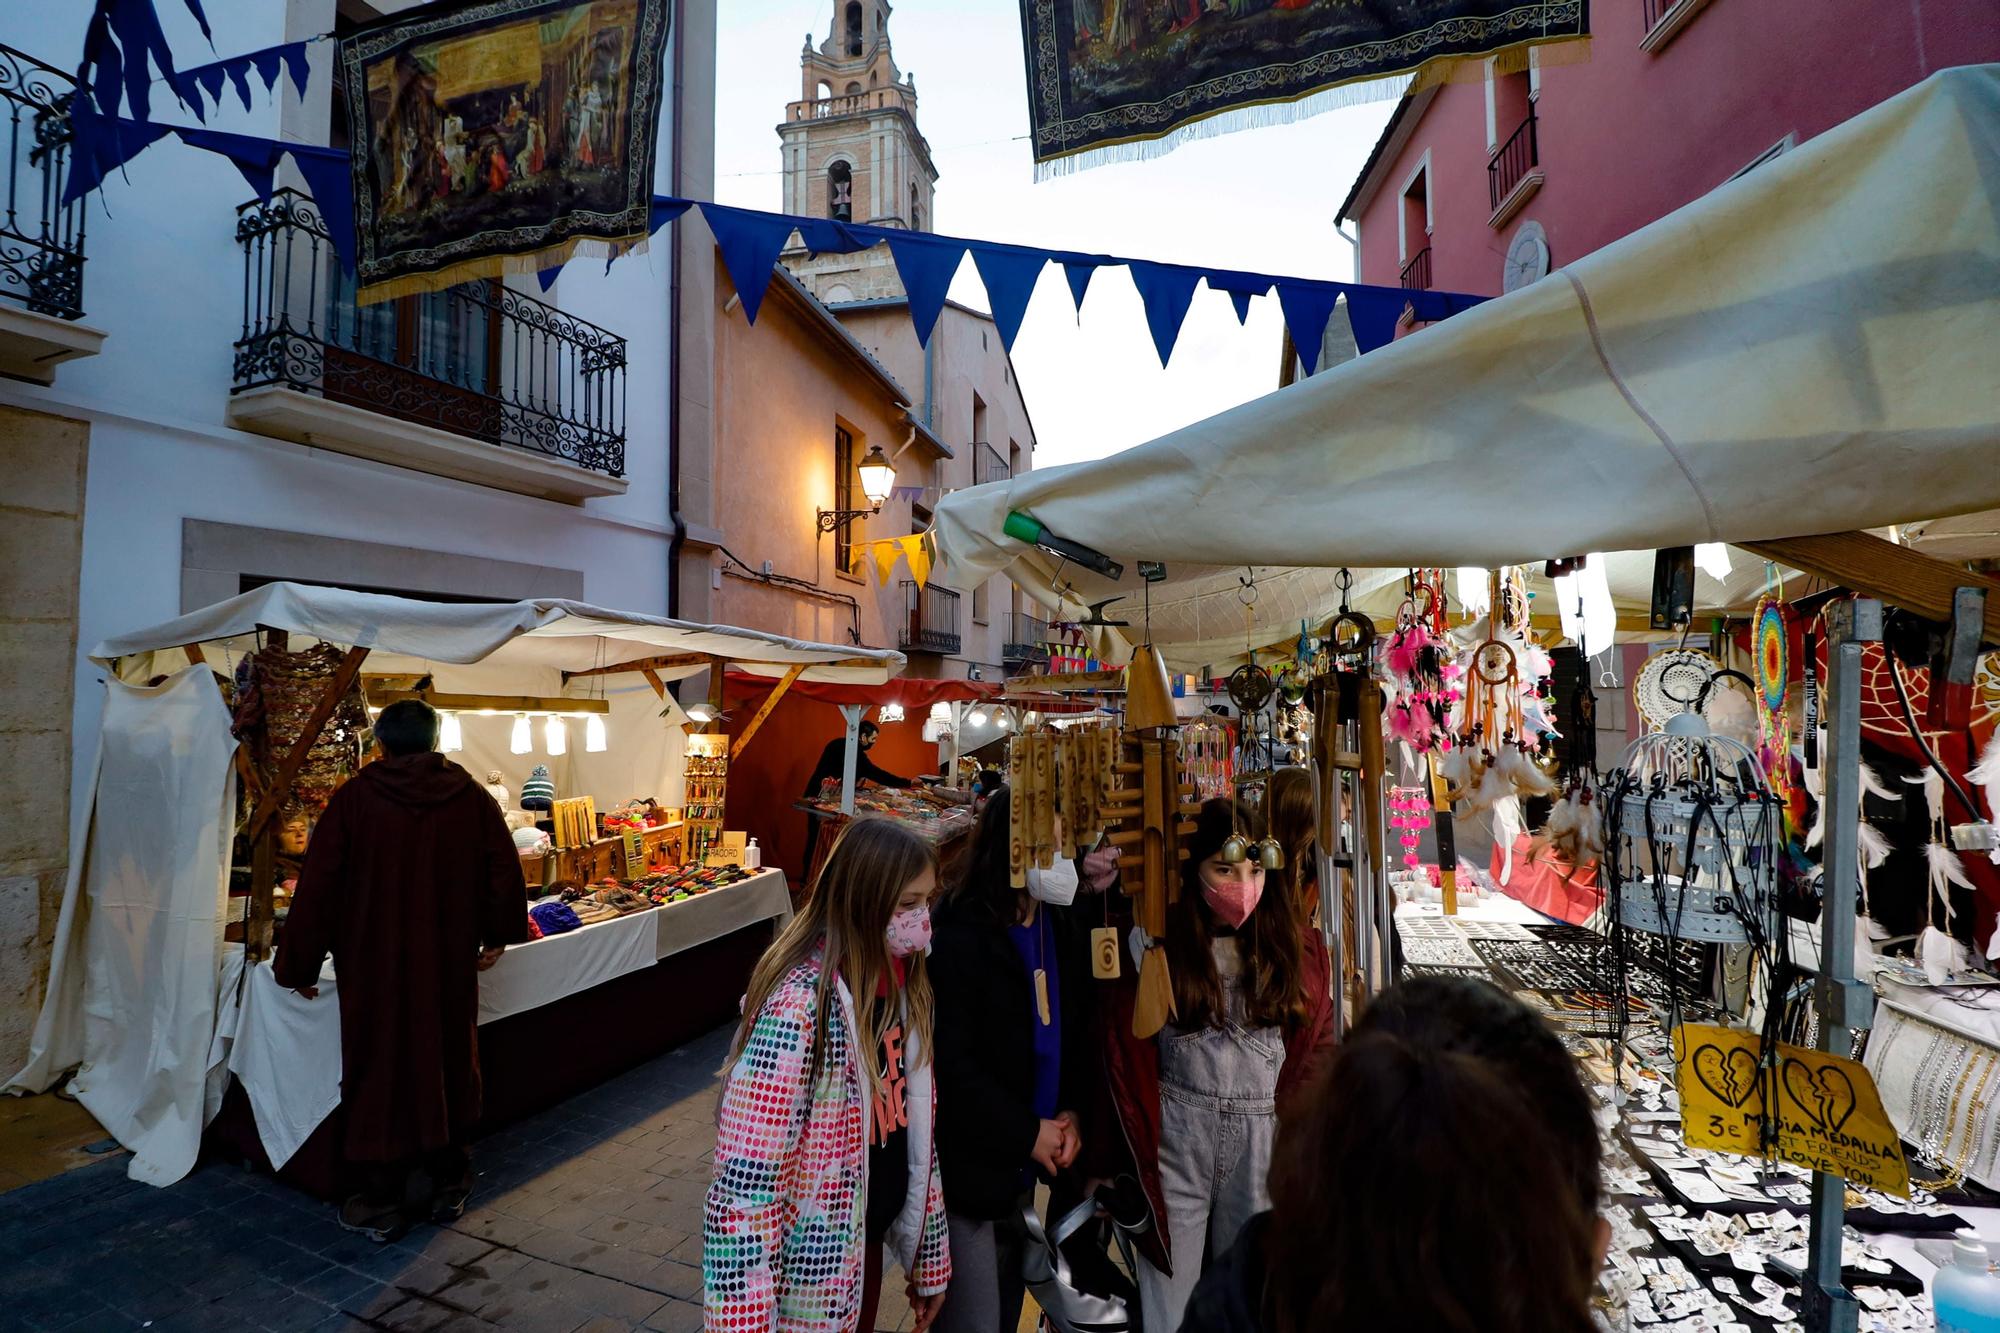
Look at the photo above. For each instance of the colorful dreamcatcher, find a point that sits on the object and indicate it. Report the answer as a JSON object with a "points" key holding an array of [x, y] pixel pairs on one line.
{"points": [[1772, 675]]}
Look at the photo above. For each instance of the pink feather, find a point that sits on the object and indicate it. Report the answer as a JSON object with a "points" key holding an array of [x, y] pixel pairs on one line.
{"points": [[1404, 649]]}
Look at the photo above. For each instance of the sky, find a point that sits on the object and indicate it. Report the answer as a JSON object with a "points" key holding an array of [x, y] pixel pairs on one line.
{"points": [[1258, 199]]}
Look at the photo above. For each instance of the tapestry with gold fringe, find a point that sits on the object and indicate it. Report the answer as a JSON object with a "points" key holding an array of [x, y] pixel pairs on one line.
{"points": [[501, 136], [1112, 80]]}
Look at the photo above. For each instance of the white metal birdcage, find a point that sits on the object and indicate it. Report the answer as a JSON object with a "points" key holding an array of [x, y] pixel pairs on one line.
{"points": [[1698, 830]]}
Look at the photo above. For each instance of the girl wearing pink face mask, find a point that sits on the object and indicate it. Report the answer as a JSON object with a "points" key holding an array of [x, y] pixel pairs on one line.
{"points": [[1198, 1104]]}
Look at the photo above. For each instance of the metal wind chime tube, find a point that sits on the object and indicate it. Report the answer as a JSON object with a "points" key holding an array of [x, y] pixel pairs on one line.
{"points": [[1844, 1004]]}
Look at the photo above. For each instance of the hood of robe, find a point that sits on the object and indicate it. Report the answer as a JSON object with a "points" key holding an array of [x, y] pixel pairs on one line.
{"points": [[415, 779]]}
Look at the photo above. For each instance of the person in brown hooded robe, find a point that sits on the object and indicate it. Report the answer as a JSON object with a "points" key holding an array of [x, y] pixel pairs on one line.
{"points": [[412, 883]]}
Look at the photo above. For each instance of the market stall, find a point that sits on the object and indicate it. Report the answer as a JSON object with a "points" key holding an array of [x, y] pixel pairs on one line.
{"points": [[812, 720], [1793, 360], [224, 733]]}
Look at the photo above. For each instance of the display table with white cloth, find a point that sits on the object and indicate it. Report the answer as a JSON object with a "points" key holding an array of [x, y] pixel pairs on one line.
{"points": [[285, 1049]]}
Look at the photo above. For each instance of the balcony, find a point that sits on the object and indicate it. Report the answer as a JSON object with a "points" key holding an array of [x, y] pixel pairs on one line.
{"points": [[988, 465], [41, 240], [930, 619], [476, 382], [1514, 173], [1027, 640], [1417, 273], [853, 104]]}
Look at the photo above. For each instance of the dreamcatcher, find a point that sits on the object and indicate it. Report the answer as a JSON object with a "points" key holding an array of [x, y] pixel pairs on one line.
{"points": [[1422, 671], [1671, 683], [1771, 647]]}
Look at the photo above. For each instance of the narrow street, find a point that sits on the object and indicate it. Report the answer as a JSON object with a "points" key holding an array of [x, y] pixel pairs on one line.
{"points": [[587, 1216]]}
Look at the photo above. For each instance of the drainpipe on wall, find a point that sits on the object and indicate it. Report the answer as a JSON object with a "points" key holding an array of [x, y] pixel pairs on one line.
{"points": [[679, 537]]}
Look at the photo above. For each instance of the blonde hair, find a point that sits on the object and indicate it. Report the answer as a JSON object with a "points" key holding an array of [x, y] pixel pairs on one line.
{"points": [[848, 912]]}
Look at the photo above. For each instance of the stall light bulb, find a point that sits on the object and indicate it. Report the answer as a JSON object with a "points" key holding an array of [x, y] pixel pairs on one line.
{"points": [[522, 740], [593, 734], [940, 712], [451, 737], [890, 713], [555, 735], [1006, 721], [977, 717]]}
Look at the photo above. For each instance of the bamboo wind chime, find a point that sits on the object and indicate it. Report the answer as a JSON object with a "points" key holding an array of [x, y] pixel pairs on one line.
{"points": [[1068, 773]]}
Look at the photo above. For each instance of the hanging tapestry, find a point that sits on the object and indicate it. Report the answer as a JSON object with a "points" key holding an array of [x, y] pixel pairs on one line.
{"points": [[1115, 78], [504, 136]]}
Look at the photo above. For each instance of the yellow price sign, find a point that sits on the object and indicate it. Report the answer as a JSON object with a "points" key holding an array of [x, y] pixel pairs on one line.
{"points": [[1828, 1116]]}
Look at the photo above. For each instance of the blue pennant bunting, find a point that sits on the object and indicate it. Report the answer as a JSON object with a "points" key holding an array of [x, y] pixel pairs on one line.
{"points": [[1079, 273], [255, 157], [194, 8], [238, 71], [210, 78], [1010, 274], [1240, 286], [664, 210], [547, 277], [329, 175], [137, 29], [1307, 306], [1372, 312], [267, 64], [296, 62], [100, 145], [824, 236], [926, 264], [750, 243], [1167, 289]]}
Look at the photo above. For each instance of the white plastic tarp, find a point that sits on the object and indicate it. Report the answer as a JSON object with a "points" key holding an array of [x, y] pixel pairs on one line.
{"points": [[1809, 348], [132, 985]]}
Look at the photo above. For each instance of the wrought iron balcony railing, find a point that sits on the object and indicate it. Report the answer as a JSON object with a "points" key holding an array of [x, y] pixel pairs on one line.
{"points": [[988, 465], [41, 240], [1511, 161], [930, 619], [1417, 273], [477, 360], [1027, 639]]}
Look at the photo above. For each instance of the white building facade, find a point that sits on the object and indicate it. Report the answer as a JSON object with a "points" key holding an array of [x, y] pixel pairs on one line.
{"points": [[212, 411]]}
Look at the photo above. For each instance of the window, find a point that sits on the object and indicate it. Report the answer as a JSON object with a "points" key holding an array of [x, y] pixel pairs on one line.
{"points": [[916, 210], [845, 487], [840, 191], [979, 604], [854, 28], [978, 419]]}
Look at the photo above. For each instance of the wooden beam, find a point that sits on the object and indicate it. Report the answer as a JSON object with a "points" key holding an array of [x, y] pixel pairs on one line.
{"points": [[778, 692], [665, 663], [288, 768], [492, 703], [1896, 574], [194, 655], [653, 679], [1071, 681]]}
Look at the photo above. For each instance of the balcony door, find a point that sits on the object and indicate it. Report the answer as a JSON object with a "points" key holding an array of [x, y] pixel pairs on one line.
{"points": [[433, 358]]}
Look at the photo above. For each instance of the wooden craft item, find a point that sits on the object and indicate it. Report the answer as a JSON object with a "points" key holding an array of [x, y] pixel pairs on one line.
{"points": [[1446, 844], [1149, 697], [1154, 1004], [1153, 811], [1104, 953], [1044, 749], [1018, 816]]}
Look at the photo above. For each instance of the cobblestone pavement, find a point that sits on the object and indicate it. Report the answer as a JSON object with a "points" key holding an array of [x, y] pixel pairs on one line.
{"points": [[586, 1217]]}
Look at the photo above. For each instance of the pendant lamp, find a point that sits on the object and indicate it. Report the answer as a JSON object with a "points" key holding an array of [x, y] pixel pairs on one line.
{"points": [[555, 736], [451, 736], [522, 740], [593, 734]]}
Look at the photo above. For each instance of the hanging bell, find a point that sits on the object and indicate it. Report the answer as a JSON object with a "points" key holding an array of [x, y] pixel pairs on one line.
{"points": [[1234, 850], [1270, 855]]}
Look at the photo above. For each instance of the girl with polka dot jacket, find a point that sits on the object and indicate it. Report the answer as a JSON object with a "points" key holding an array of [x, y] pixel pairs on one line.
{"points": [[825, 1156]]}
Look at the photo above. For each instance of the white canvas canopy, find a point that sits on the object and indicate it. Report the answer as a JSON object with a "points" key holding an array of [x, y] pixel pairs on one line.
{"points": [[132, 999], [1810, 348]]}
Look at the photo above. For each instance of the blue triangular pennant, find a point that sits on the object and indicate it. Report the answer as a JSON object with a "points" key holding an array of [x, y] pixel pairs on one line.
{"points": [[137, 28], [1167, 290], [267, 63], [1010, 273], [296, 62], [926, 265], [194, 8], [824, 236], [210, 78], [238, 71], [1307, 306], [547, 277], [188, 88], [1240, 286], [665, 209], [100, 145], [1079, 273], [256, 158], [750, 243], [1373, 312], [329, 175]]}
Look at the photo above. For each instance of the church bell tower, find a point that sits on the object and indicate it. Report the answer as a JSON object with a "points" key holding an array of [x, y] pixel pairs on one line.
{"points": [[852, 151]]}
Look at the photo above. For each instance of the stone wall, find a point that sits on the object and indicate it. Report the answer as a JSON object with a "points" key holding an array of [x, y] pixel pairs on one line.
{"points": [[41, 546]]}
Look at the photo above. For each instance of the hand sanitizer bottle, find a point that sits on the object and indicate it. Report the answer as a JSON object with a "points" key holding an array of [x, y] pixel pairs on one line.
{"points": [[1966, 1296], [753, 856]]}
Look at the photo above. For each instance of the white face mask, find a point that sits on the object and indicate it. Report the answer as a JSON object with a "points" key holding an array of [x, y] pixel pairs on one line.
{"points": [[1055, 886]]}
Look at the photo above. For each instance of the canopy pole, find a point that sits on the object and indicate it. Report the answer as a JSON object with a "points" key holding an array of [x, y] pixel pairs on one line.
{"points": [[778, 692], [852, 712], [1844, 1004]]}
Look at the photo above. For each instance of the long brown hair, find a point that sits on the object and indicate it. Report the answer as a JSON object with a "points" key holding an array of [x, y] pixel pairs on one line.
{"points": [[1387, 1214], [1290, 815], [1273, 947], [982, 885], [848, 912]]}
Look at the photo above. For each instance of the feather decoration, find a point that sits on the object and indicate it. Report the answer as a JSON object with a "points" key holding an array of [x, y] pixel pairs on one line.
{"points": [[1402, 722], [1455, 767], [1491, 788], [1590, 829], [1404, 650], [1986, 775], [1508, 825], [1523, 774], [1944, 869]]}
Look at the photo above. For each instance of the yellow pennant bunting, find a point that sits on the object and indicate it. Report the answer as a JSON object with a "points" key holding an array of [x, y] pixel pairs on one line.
{"points": [[916, 549], [884, 554], [1829, 1115]]}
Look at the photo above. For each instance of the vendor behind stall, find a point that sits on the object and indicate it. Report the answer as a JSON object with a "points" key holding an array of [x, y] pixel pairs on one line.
{"points": [[833, 763]]}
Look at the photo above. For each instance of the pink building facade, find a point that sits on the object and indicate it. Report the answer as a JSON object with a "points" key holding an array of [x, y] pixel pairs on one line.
{"points": [[1482, 187]]}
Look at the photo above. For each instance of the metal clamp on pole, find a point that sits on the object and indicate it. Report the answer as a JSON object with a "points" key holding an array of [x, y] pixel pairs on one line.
{"points": [[1843, 1002]]}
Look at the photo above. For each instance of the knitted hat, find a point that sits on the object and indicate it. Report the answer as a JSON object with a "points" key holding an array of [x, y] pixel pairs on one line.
{"points": [[496, 787], [553, 918], [538, 793]]}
